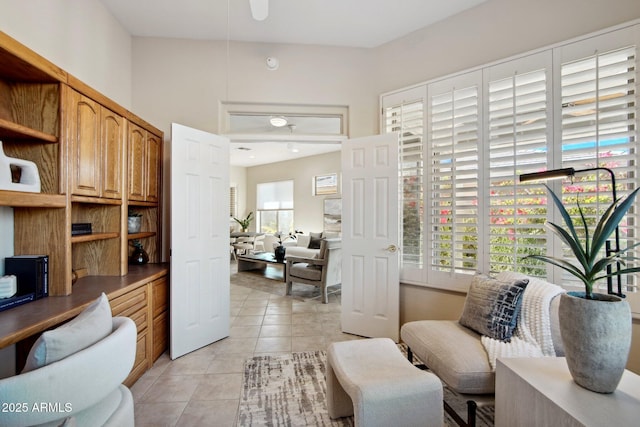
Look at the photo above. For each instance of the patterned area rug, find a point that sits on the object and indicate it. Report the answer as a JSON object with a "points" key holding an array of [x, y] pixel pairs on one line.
{"points": [[290, 390]]}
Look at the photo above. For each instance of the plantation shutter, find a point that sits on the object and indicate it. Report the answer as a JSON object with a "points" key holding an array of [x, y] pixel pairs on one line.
{"points": [[453, 181], [518, 137], [599, 130], [405, 114], [232, 202]]}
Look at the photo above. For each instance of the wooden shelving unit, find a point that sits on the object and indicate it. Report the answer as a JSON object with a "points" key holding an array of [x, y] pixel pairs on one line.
{"points": [[89, 152]]}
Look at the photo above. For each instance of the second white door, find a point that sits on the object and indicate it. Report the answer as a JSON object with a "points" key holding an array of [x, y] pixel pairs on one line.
{"points": [[370, 237]]}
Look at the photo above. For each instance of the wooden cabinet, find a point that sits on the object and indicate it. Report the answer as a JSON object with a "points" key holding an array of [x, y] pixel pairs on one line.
{"points": [[96, 148], [144, 151], [78, 139], [147, 306]]}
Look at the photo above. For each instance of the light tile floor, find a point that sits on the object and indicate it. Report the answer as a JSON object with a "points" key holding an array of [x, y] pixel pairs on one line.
{"points": [[203, 388]]}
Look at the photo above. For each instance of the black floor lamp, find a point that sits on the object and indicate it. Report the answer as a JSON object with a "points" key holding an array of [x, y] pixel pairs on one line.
{"points": [[570, 172]]}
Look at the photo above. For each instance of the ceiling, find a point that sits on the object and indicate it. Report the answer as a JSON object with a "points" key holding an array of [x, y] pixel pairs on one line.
{"points": [[353, 23], [346, 23]]}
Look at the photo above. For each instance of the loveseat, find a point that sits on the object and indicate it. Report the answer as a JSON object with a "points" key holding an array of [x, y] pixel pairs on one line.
{"points": [[462, 358], [306, 245]]}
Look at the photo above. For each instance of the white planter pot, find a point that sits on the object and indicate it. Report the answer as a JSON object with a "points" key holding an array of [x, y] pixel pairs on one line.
{"points": [[597, 338], [134, 223]]}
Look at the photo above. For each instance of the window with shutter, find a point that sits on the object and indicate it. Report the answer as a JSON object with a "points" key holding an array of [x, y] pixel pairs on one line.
{"points": [[404, 114], [573, 105], [517, 138], [453, 181], [232, 202], [599, 130], [408, 120]]}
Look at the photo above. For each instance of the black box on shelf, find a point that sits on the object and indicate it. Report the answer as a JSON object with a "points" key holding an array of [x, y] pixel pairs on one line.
{"points": [[32, 274], [80, 228]]}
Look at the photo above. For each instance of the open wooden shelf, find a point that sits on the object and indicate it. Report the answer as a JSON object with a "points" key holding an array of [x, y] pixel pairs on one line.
{"points": [[94, 237], [142, 235], [95, 200], [21, 199], [11, 130]]}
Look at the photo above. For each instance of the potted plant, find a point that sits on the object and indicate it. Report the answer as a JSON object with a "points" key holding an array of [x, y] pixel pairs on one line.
{"points": [[595, 328], [134, 221], [279, 251], [245, 223]]}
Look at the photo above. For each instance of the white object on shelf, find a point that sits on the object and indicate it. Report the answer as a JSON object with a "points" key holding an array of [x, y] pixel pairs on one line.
{"points": [[8, 286], [29, 177]]}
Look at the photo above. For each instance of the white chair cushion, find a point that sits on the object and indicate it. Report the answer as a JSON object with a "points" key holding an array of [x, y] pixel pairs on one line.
{"points": [[89, 327]]}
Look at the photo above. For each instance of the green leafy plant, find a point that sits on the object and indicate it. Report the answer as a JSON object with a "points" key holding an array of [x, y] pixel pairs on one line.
{"points": [[245, 223], [132, 213], [591, 266]]}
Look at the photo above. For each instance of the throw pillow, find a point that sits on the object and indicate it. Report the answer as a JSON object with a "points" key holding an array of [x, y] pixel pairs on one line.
{"points": [[314, 242], [492, 306], [87, 328]]}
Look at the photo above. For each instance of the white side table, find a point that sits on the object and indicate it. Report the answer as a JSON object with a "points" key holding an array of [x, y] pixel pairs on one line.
{"points": [[541, 392]]}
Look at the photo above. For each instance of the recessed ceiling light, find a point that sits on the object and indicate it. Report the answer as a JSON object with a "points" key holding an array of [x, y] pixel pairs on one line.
{"points": [[278, 121]]}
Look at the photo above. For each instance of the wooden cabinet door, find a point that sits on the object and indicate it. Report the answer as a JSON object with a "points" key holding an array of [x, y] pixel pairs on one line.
{"points": [[85, 146], [136, 162], [153, 167], [112, 132]]}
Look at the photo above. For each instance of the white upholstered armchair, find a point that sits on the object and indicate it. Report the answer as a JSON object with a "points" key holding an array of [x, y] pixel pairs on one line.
{"points": [[83, 389], [322, 271]]}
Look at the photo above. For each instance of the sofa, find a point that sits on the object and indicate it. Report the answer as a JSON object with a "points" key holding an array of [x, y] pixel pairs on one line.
{"points": [[461, 356], [306, 245]]}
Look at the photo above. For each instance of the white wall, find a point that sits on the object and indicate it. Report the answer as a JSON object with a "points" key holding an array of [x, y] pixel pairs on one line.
{"points": [[184, 81], [493, 30], [79, 36], [308, 208]]}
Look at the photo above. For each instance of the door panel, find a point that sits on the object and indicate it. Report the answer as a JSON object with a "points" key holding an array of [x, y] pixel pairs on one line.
{"points": [[112, 148], [199, 239], [370, 274]]}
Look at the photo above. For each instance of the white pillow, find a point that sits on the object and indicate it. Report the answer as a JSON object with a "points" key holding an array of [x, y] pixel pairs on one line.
{"points": [[87, 328]]}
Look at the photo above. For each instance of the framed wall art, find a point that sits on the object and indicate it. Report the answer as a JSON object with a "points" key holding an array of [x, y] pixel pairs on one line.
{"points": [[325, 184], [332, 216]]}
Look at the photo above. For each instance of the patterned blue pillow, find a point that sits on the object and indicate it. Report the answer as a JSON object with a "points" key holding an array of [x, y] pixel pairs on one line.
{"points": [[492, 306]]}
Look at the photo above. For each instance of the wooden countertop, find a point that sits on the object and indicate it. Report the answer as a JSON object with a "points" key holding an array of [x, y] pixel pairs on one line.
{"points": [[34, 317]]}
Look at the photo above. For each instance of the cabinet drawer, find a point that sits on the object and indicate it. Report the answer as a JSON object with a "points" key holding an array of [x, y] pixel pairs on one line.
{"points": [[131, 301], [132, 305]]}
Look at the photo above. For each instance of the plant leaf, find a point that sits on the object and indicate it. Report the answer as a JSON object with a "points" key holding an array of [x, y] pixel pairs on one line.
{"points": [[610, 220], [575, 245]]}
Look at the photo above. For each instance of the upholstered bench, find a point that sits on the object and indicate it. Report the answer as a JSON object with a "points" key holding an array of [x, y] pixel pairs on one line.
{"points": [[373, 381]]}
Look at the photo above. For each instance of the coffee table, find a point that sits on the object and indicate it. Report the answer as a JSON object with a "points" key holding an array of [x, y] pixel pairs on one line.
{"points": [[259, 261]]}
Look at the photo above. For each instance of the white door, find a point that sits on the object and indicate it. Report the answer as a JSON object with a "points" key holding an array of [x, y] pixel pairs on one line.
{"points": [[370, 233], [199, 239]]}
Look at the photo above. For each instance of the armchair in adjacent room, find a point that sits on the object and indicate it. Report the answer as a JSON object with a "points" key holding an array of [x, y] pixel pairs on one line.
{"points": [[322, 271]]}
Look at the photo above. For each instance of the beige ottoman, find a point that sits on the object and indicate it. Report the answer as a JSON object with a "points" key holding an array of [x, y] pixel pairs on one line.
{"points": [[373, 381]]}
